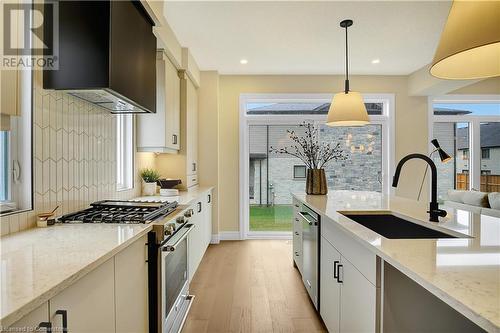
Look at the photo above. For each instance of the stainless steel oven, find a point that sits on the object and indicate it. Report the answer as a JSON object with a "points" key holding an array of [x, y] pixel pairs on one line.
{"points": [[175, 297]]}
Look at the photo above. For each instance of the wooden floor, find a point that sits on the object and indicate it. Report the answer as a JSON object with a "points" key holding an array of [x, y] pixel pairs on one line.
{"points": [[250, 286]]}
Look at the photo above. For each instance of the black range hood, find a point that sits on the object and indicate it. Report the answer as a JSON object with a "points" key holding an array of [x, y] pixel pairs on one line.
{"points": [[107, 55]]}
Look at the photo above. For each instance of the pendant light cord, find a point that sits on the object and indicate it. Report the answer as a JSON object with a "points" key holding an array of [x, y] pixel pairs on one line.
{"points": [[346, 64]]}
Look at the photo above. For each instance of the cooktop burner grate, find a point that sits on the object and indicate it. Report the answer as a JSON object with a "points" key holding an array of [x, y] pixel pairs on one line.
{"points": [[109, 211]]}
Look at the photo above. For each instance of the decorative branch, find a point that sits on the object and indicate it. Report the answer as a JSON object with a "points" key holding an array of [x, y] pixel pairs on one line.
{"points": [[309, 150]]}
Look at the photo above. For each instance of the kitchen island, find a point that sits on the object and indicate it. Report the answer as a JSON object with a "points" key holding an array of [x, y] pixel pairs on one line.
{"points": [[463, 272]]}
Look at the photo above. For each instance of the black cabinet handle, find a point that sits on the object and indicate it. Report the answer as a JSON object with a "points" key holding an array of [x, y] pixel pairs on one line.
{"points": [[194, 166], [45, 324], [209, 198], [64, 315], [199, 207], [335, 272], [297, 233], [174, 139], [338, 274]]}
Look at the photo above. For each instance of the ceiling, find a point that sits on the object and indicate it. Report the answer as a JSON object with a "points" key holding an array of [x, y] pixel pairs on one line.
{"points": [[305, 38]]}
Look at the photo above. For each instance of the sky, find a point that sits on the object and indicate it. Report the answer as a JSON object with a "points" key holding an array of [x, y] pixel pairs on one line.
{"points": [[482, 109]]}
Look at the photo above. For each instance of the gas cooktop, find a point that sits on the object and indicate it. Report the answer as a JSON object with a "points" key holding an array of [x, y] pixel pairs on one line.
{"points": [[116, 211]]}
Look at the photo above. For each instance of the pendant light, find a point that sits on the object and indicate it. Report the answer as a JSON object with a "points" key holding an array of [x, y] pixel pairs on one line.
{"points": [[347, 107], [470, 43]]}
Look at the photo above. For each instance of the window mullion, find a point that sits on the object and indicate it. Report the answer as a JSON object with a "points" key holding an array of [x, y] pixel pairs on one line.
{"points": [[475, 155]]}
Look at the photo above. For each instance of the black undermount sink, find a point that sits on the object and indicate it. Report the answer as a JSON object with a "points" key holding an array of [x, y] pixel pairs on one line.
{"points": [[391, 226]]}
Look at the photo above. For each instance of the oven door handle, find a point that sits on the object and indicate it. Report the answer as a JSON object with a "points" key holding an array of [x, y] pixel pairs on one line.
{"points": [[169, 247]]}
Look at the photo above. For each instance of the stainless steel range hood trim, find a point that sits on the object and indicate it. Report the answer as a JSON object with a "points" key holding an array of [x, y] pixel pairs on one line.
{"points": [[129, 106]]}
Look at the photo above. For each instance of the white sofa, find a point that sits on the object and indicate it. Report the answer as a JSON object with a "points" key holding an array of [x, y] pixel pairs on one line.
{"points": [[475, 201]]}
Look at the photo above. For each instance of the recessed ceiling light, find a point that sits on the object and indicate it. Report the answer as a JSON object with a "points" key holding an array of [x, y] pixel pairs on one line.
{"points": [[375, 61], [243, 61]]}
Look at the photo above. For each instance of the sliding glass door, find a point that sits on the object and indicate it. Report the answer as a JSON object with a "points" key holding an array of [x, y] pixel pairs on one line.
{"points": [[271, 177]]}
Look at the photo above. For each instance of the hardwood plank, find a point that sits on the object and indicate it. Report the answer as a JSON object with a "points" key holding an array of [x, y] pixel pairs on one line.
{"points": [[250, 286]]}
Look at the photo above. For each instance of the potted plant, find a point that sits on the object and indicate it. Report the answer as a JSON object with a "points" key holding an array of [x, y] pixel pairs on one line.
{"points": [[314, 154], [149, 178]]}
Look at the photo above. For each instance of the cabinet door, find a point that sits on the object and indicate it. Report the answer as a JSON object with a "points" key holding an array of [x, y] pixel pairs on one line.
{"points": [[208, 219], [89, 303], [195, 242], [32, 320], [191, 128], [172, 106], [358, 301], [131, 288], [330, 288]]}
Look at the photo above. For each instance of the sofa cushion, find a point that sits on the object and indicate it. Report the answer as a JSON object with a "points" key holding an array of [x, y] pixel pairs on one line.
{"points": [[476, 198], [456, 195], [494, 200]]}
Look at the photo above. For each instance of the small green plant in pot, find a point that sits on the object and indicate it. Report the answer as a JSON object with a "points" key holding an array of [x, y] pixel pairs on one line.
{"points": [[149, 178]]}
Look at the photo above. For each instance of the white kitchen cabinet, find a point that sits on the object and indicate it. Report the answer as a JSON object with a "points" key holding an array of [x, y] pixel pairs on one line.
{"points": [[184, 165], [131, 288], [191, 100], [195, 240], [330, 287], [348, 299], [357, 302], [160, 132], [89, 303], [297, 237], [32, 320], [200, 236], [208, 218]]}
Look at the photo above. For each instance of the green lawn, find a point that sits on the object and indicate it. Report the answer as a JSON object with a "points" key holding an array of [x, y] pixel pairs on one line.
{"points": [[272, 218]]}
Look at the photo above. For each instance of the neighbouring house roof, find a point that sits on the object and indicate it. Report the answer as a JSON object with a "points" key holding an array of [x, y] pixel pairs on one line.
{"points": [[306, 108], [449, 112], [490, 136]]}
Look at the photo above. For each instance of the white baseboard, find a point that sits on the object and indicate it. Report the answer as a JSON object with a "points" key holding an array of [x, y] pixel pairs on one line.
{"points": [[215, 239], [229, 235]]}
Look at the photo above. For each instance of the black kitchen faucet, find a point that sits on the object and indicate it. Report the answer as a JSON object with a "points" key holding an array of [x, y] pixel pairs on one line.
{"points": [[434, 211]]}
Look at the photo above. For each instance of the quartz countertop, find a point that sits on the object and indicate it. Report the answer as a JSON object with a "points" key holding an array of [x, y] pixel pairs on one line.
{"points": [[463, 272], [185, 198], [39, 263]]}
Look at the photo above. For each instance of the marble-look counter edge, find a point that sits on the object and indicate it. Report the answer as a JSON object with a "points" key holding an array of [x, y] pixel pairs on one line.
{"points": [[26, 308], [441, 294]]}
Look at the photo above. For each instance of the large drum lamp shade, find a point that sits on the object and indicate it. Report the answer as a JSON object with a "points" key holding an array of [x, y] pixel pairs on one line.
{"points": [[470, 43]]}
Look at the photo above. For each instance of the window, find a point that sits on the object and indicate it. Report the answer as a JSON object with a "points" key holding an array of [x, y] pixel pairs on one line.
{"points": [[124, 152], [265, 182], [467, 127], [299, 172], [485, 153], [465, 154]]}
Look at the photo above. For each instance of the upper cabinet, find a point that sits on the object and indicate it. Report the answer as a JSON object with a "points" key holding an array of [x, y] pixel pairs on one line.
{"points": [[160, 132]]}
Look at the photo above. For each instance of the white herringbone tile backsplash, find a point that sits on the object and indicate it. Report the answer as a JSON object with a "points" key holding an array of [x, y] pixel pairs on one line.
{"points": [[74, 157]]}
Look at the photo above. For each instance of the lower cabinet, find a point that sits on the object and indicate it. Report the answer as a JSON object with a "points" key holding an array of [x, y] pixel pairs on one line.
{"points": [[88, 304], [200, 237], [35, 321], [348, 299], [330, 287], [297, 237], [111, 298], [131, 288]]}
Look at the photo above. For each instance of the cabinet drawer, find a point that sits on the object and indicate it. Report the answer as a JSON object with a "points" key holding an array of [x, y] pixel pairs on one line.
{"points": [[192, 180], [362, 258], [297, 251]]}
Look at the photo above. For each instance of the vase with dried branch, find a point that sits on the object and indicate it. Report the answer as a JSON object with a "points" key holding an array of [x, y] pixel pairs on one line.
{"points": [[314, 154]]}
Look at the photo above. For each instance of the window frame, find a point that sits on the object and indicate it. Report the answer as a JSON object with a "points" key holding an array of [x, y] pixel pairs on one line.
{"points": [[474, 127], [483, 151], [386, 120], [295, 177], [125, 159]]}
